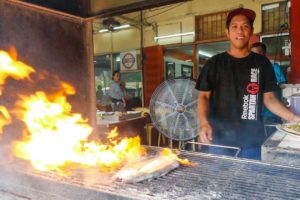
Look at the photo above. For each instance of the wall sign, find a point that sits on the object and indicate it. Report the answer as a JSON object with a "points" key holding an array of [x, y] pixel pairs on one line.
{"points": [[128, 60]]}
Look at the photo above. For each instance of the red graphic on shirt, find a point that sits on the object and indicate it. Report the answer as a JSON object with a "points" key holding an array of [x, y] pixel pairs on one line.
{"points": [[253, 88]]}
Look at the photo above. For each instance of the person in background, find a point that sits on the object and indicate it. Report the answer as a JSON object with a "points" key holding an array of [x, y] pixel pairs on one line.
{"points": [[233, 87], [126, 95], [261, 48], [116, 93], [123, 87], [99, 94], [268, 117]]}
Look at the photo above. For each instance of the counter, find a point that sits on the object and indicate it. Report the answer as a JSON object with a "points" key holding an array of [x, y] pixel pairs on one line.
{"points": [[282, 148]]}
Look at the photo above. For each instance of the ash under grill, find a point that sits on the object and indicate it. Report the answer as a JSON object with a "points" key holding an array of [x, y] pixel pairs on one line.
{"points": [[214, 178]]}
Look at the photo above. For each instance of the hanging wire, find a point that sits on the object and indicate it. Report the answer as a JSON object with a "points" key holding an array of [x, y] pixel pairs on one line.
{"points": [[171, 8]]}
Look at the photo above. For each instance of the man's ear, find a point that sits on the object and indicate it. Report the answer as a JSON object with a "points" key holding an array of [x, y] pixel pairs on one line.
{"points": [[227, 33]]}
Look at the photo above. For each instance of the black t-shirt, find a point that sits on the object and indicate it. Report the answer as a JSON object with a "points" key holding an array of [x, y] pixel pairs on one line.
{"points": [[237, 86]]}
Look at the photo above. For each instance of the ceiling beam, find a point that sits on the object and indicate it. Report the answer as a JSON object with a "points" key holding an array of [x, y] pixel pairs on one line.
{"points": [[86, 8]]}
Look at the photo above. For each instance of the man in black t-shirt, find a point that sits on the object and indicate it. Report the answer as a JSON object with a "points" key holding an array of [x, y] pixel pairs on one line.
{"points": [[233, 87]]}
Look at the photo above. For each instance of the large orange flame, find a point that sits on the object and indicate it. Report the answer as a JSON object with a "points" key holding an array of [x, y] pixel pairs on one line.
{"points": [[5, 118], [56, 138], [10, 67]]}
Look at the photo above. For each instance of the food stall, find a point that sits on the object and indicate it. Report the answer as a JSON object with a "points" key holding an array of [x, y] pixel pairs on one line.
{"points": [[211, 176]]}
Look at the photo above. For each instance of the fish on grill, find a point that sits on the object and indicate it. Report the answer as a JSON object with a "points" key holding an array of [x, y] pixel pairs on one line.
{"points": [[147, 169]]}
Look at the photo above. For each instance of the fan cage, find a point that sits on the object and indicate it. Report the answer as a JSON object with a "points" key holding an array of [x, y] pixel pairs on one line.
{"points": [[173, 109]]}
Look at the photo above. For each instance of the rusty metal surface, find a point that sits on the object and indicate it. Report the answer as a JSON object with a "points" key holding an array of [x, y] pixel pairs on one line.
{"points": [[214, 177], [59, 45]]}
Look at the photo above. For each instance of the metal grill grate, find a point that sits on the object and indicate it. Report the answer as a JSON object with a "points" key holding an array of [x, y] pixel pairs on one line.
{"points": [[214, 177]]}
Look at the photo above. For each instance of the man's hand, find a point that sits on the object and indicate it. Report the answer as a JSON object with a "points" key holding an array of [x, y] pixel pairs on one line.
{"points": [[295, 118], [203, 109], [205, 133]]}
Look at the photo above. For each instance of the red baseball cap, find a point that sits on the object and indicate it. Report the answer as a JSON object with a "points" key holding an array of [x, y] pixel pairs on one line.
{"points": [[250, 14]]}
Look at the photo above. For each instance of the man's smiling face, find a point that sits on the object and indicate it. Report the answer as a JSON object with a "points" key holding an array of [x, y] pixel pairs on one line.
{"points": [[239, 32]]}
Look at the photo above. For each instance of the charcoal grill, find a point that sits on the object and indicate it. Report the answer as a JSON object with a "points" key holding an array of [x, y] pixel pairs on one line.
{"points": [[214, 177], [61, 43]]}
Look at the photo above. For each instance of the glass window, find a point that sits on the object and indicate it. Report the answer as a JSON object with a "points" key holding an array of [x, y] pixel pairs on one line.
{"points": [[170, 70], [133, 88], [211, 26], [207, 50], [139, 59], [116, 61], [278, 51], [275, 17], [102, 77], [178, 62], [104, 65], [187, 71]]}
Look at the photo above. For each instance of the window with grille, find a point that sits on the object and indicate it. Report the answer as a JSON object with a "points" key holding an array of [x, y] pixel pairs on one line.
{"points": [[211, 26], [275, 17]]}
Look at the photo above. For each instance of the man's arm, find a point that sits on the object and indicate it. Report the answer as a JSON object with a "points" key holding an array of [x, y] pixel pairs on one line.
{"points": [[276, 107], [203, 109]]}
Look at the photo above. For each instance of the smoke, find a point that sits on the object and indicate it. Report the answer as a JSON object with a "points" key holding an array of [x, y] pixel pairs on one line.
{"points": [[92, 176], [5, 154]]}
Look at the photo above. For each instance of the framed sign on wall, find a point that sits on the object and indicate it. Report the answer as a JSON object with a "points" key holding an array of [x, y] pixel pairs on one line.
{"points": [[128, 60]]}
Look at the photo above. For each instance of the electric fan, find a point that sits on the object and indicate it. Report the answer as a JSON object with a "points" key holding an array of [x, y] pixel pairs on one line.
{"points": [[173, 109]]}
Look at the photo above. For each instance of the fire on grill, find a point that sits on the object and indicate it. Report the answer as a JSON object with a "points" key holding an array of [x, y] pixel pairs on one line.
{"points": [[150, 168], [57, 139]]}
